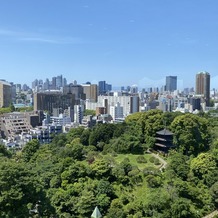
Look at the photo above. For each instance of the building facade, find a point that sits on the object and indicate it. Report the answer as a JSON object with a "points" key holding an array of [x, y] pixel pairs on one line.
{"points": [[50, 100], [203, 86], [171, 83], [116, 111], [130, 104], [91, 92], [5, 94]]}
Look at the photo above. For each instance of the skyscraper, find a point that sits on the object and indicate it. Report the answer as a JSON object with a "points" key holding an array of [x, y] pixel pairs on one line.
{"points": [[101, 87], [203, 86], [171, 83]]}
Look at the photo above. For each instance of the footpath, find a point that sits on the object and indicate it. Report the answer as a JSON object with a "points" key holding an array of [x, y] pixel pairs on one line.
{"points": [[211, 215], [163, 162]]}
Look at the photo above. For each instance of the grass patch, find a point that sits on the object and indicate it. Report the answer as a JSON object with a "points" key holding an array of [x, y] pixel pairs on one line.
{"points": [[133, 160]]}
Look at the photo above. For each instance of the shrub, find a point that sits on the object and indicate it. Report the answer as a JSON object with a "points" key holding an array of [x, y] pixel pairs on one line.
{"points": [[152, 159], [141, 159], [156, 161]]}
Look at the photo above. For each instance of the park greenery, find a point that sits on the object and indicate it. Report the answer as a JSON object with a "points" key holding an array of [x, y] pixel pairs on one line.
{"points": [[109, 166], [11, 108]]}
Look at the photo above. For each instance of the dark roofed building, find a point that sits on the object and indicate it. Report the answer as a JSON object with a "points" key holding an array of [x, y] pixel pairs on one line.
{"points": [[164, 141]]}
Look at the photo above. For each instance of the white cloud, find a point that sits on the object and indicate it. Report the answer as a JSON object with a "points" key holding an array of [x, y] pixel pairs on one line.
{"points": [[39, 37], [53, 40]]}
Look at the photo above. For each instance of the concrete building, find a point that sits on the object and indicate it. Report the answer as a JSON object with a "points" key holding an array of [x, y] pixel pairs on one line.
{"points": [[76, 90], [196, 103], [203, 86], [130, 104], [5, 94], [60, 120], [100, 110], [88, 121], [50, 100], [13, 124]]}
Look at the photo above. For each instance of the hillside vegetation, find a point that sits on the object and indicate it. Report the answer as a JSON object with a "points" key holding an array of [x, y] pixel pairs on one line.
{"points": [[108, 166]]}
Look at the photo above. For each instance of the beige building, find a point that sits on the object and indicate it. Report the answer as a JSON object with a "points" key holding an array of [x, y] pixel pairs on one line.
{"points": [[91, 91], [5, 94], [203, 86]]}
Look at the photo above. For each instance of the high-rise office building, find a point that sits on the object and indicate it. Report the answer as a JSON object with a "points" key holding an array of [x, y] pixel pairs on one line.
{"points": [[59, 82], [101, 87], [35, 83], [5, 94], [171, 83], [203, 86], [53, 83], [104, 87]]}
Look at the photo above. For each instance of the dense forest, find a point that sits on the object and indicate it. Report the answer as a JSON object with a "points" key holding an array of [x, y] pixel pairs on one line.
{"points": [[109, 166]]}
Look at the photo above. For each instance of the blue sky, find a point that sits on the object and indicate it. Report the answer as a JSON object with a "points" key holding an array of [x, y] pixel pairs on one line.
{"points": [[124, 42]]}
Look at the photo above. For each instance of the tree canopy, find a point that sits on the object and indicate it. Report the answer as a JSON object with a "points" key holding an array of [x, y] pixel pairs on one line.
{"points": [[108, 166]]}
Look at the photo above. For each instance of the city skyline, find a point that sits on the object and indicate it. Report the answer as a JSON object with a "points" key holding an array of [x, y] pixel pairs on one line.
{"points": [[122, 42], [48, 84]]}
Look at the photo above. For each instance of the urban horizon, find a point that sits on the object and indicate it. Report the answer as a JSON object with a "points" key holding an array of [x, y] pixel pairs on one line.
{"points": [[145, 83]]}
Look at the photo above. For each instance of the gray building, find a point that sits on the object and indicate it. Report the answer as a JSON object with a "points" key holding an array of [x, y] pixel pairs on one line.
{"points": [[171, 83]]}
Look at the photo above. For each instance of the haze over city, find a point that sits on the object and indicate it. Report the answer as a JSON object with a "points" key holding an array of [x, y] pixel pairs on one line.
{"points": [[125, 42]]}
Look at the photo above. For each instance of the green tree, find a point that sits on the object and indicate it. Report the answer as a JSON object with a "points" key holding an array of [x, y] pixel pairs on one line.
{"points": [[204, 166], [89, 112], [178, 163], [12, 108], [214, 193], [18, 189], [101, 133], [4, 151], [182, 208], [74, 133], [116, 209], [191, 134], [30, 149]]}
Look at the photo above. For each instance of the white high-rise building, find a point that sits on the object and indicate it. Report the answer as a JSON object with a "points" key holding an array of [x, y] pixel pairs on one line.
{"points": [[78, 113], [116, 111]]}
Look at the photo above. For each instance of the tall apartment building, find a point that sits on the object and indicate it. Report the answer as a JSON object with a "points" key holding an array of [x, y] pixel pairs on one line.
{"points": [[78, 113], [203, 86], [116, 111], [171, 83], [5, 94]]}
